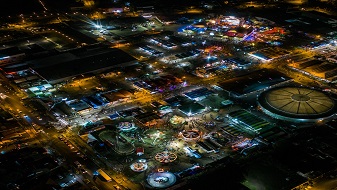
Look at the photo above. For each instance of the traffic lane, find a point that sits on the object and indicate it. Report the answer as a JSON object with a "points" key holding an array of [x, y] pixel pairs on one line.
{"points": [[6, 88], [71, 157], [91, 164], [78, 142], [15, 104], [72, 154], [92, 161], [11, 89]]}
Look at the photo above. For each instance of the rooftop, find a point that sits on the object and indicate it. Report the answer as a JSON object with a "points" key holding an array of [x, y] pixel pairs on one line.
{"points": [[253, 81], [191, 108], [198, 93], [10, 52], [66, 65], [297, 102], [147, 117], [115, 96]]}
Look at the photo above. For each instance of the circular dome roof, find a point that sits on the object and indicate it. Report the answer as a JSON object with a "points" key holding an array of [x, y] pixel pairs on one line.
{"points": [[297, 102]]}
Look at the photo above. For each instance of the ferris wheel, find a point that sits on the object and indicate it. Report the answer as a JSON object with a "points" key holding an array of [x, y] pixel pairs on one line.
{"points": [[165, 157], [191, 134]]}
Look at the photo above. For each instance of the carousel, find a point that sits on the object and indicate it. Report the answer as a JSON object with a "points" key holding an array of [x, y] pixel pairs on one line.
{"points": [[139, 166], [177, 120], [126, 126]]}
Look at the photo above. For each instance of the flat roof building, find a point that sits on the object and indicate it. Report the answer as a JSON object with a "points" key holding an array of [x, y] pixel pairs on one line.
{"points": [[93, 63], [254, 81], [119, 96], [191, 108], [66, 65], [11, 55], [198, 94]]}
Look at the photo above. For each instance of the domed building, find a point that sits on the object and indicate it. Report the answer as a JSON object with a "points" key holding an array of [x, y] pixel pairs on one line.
{"points": [[297, 104]]}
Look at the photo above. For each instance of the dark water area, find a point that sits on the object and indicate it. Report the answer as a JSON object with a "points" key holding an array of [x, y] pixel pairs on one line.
{"points": [[16, 7]]}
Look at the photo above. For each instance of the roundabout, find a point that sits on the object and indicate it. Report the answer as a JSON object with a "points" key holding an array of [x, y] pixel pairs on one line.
{"points": [[297, 104]]}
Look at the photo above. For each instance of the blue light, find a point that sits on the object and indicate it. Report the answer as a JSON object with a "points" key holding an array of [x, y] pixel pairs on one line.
{"points": [[6, 57]]}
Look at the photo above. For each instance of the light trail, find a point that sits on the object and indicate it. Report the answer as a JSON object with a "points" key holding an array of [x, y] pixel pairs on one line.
{"points": [[43, 5]]}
